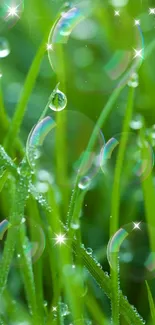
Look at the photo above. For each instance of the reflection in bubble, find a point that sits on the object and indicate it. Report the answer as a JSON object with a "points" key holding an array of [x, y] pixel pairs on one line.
{"points": [[131, 243], [4, 47], [58, 100], [115, 61], [138, 159], [41, 148]]}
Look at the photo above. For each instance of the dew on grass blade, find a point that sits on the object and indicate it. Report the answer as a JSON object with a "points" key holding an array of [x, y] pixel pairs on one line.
{"points": [[58, 100], [133, 81], [104, 64], [137, 122], [138, 159], [4, 47], [42, 146], [34, 242], [10, 12], [84, 182], [132, 244]]}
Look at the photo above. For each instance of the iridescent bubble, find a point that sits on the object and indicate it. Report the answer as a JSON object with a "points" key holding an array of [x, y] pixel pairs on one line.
{"points": [[34, 241], [75, 130], [4, 225], [111, 63], [10, 12], [58, 100], [138, 159], [4, 47], [131, 244]]}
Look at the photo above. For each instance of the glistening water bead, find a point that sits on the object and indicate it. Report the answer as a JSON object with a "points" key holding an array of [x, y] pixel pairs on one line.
{"points": [[58, 100], [4, 47], [133, 244]]}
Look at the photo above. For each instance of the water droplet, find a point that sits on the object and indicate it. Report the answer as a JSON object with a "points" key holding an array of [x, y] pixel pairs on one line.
{"points": [[137, 122], [89, 251], [42, 187], [134, 80], [75, 226], [84, 182], [64, 309], [4, 47], [58, 100]]}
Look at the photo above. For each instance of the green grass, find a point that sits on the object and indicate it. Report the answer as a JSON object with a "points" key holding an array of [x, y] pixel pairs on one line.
{"points": [[68, 274]]}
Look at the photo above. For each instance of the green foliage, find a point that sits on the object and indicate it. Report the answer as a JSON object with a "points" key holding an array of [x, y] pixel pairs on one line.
{"points": [[66, 275]]}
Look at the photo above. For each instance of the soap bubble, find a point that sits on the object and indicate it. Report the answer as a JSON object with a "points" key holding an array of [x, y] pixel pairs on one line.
{"points": [[105, 63], [42, 146], [58, 100], [138, 159], [4, 47], [10, 12], [34, 241], [131, 244]]}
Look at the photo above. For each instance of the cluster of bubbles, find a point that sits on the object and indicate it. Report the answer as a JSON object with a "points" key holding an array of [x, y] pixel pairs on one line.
{"points": [[98, 66], [34, 244], [132, 248]]}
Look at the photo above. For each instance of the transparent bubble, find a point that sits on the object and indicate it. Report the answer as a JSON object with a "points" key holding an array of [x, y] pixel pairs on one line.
{"points": [[34, 242], [75, 130], [4, 47], [138, 158], [105, 63], [131, 244], [58, 100], [10, 12], [150, 134], [4, 225]]}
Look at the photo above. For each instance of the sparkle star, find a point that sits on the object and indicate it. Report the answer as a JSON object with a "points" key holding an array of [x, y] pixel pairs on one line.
{"points": [[60, 239], [12, 11], [117, 13], [136, 225], [151, 11], [137, 22], [138, 53], [54, 308], [49, 46]]}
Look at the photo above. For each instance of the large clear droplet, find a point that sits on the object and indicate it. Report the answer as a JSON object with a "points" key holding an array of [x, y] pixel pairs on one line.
{"points": [[4, 47], [58, 100]]}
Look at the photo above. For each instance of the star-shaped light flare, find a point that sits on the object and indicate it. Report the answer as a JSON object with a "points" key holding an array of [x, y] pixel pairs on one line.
{"points": [[48, 46], [151, 11], [60, 239], [12, 11], [136, 225], [117, 13], [138, 53], [136, 22]]}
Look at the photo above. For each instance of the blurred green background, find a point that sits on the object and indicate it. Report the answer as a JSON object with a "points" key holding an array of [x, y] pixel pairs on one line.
{"points": [[87, 91]]}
